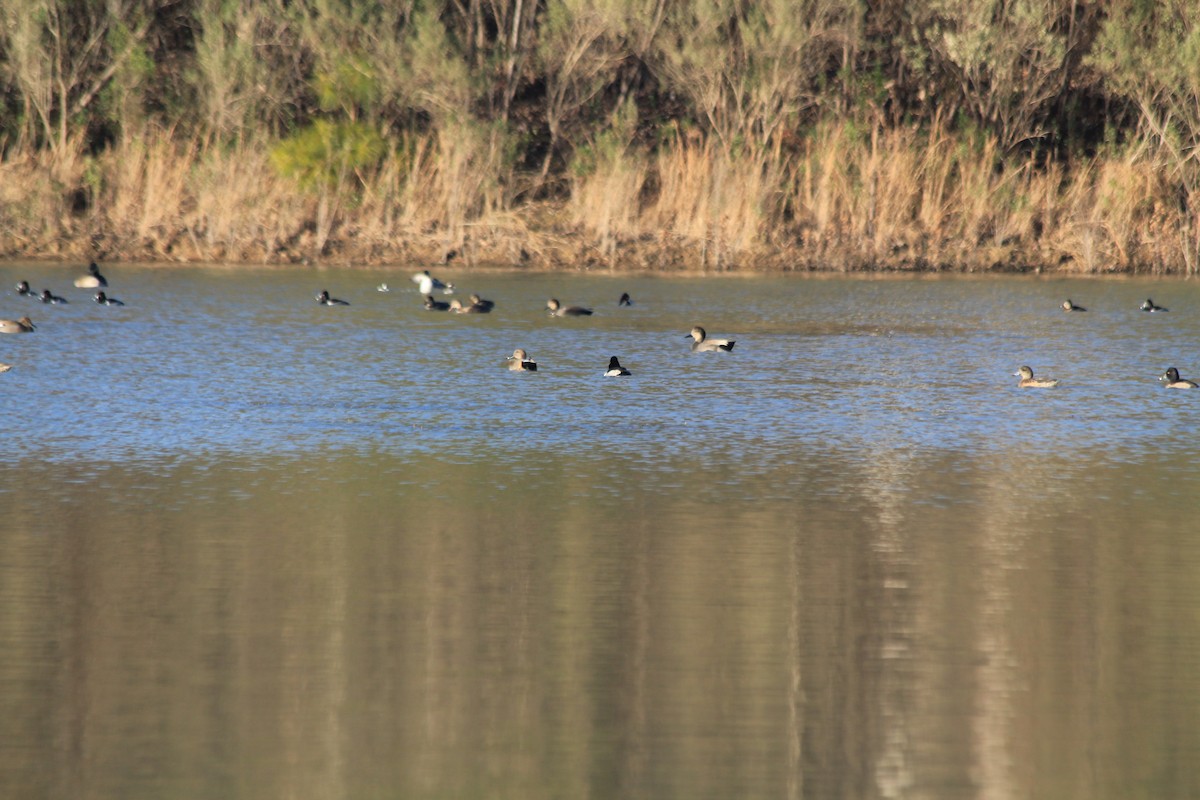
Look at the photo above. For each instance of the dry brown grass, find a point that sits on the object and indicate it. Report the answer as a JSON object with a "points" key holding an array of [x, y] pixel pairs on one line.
{"points": [[38, 192], [1117, 215], [845, 197]]}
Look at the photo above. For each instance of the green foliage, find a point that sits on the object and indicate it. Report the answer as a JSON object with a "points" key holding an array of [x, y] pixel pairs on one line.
{"points": [[1150, 55], [435, 77], [350, 86], [750, 70], [325, 153], [1006, 58], [138, 63], [122, 100], [246, 72]]}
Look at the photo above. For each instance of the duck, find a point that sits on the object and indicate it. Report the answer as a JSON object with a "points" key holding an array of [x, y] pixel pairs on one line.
{"points": [[48, 297], [22, 325], [324, 299], [102, 299], [557, 309], [1029, 382], [615, 370], [435, 305], [23, 289], [426, 283], [1173, 381], [1149, 306], [702, 344], [383, 287], [625, 300], [93, 280], [5, 367], [519, 361], [484, 305], [1068, 306], [458, 308]]}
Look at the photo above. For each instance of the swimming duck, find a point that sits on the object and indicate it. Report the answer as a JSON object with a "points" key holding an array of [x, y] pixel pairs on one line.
{"points": [[519, 362], [324, 299], [1173, 381], [102, 299], [1069, 306], [559, 310], [435, 305], [426, 283], [93, 280], [458, 308], [1149, 306], [625, 300], [53, 299], [1029, 382], [615, 370], [5, 367], [702, 344], [484, 305], [23, 289], [22, 325]]}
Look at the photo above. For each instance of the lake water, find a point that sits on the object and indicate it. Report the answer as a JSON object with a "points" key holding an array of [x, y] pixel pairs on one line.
{"points": [[252, 547]]}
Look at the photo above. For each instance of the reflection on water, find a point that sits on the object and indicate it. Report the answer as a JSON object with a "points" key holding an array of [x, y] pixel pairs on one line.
{"points": [[256, 548]]}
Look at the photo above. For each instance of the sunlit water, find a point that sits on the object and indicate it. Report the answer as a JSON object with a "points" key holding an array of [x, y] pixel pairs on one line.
{"points": [[255, 547]]}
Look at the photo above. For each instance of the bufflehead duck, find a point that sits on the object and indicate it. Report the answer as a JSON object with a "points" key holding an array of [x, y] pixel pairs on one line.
{"points": [[1069, 306], [1149, 306], [102, 299], [53, 299]]}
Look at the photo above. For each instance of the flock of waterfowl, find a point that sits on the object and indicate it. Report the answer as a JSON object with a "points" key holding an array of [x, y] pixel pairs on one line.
{"points": [[520, 361], [1170, 378], [92, 279]]}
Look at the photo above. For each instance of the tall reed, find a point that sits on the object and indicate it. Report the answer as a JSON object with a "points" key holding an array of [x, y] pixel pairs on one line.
{"points": [[846, 196]]}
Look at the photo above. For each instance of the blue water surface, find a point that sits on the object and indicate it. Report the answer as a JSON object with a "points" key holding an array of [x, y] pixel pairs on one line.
{"points": [[203, 362]]}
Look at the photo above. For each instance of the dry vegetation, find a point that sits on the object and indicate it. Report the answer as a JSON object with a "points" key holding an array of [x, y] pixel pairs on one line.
{"points": [[785, 135]]}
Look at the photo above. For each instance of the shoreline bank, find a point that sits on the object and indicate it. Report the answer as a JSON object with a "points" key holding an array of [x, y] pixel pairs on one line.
{"points": [[502, 250]]}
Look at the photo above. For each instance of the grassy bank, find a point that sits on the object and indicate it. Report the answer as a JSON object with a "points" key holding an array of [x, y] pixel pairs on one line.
{"points": [[841, 198]]}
